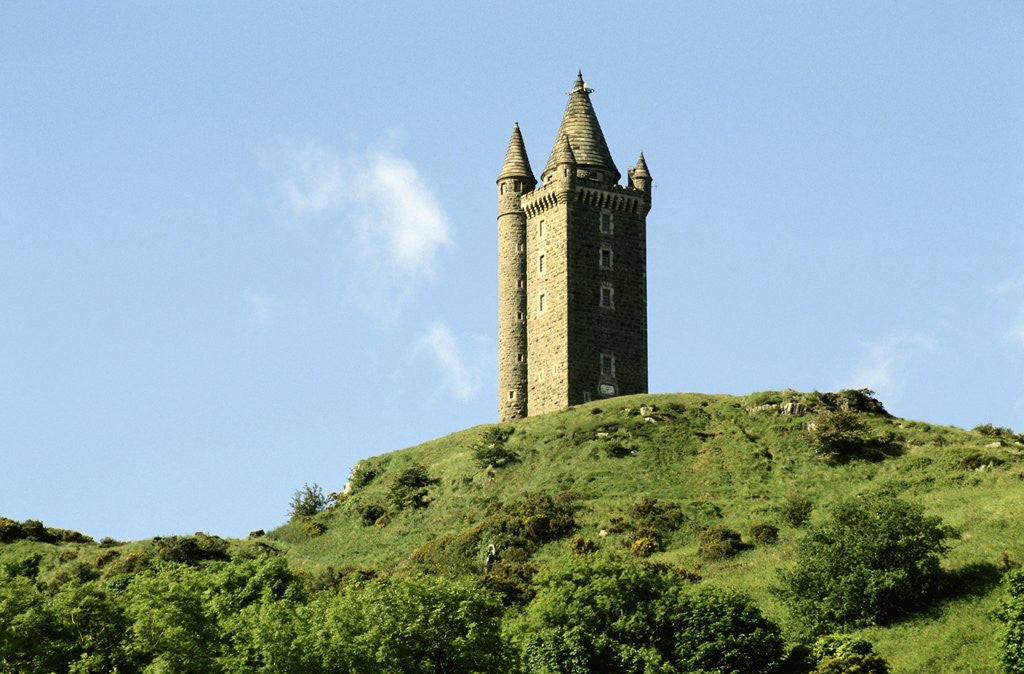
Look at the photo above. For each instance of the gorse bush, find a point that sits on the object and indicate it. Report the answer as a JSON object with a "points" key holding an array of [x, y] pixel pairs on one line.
{"points": [[308, 501], [764, 533], [876, 559], [1001, 432], [719, 543]]}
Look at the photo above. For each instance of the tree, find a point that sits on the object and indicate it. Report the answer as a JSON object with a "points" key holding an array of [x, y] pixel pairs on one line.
{"points": [[875, 560], [308, 501], [406, 624], [603, 614], [1011, 613]]}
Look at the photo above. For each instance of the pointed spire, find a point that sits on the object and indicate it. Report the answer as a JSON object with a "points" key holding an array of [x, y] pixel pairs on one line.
{"points": [[562, 152], [517, 164], [641, 167], [581, 127]]}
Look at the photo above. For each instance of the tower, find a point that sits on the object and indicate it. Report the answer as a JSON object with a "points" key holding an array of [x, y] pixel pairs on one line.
{"points": [[572, 271]]}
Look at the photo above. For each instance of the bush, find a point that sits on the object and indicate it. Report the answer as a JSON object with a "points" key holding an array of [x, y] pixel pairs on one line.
{"points": [[848, 400], [765, 534], [843, 654], [308, 501], [491, 450], [796, 510], [313, 528], [875, 560], [363, 473], [838, 435], [719, 543], [410, 488], [369, 513], [1011, 633], [581, 546], [597, 614], [1001, 432], [530, 522], [644, 546], [191, 549]]}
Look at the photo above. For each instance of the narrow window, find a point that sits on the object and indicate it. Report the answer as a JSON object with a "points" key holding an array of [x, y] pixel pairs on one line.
{"points": [[522, 283], [521, 358], [511, 395], [607, 365], [519, 315], [521, 248], [606, 258], [586, 397], [606, 296], [502, 191], [606, 223], [519, 186], [540, 229], [540, 303], [540, 264]]}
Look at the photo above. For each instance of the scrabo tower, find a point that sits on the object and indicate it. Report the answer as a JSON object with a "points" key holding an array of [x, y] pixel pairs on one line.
{"points": [[572, 271]]}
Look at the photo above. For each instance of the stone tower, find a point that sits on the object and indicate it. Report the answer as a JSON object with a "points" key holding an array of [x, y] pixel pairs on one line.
{"points": [[572, 271]]}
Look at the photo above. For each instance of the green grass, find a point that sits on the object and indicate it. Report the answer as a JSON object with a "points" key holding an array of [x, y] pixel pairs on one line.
{"points": [[723, 465]]}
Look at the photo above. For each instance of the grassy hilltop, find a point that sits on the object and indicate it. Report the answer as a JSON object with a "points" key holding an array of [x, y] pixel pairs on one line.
{"points": [[648, 476]]}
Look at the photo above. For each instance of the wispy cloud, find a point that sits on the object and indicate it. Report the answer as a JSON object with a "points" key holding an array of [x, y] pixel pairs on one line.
{"points": [[461, 369], [392, 226], [260, 309], [884, 366], [1009, 286]]}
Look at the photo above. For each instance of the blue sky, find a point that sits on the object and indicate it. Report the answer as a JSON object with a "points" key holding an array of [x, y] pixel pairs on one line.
{"points": [[244, 245]]}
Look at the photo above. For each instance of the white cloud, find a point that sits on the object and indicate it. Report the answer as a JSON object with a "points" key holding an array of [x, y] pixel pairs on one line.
{"points": [[1009, 286], [461, 372], [392, 226], [885, 365], [260, 309], [314, 183]]}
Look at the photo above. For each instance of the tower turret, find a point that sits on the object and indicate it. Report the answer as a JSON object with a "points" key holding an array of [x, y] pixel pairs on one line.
{"points": [[515, 179], [580, 126], [640, 177]]}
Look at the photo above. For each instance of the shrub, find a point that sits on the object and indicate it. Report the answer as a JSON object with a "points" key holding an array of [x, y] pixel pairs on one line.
{"points": [[10, 530], [796, 510], [308, 501], [410, 488], [644, 546], [491, 450], [530, 522], [999, 432], [848, 400], [191, 549], [598, 614], [313, 528], [258, 533], [844, 654], [719, 543], [765, 534], [838, 435], [382, 521], [648, 511], [369, 513], [1011, 633], [363, 473], [512, 581], [581, 545], [876, 559]]}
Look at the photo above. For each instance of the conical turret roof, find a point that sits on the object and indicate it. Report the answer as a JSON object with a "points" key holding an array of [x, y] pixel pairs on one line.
{"points": [[580, 126], [641, 167], [517, 164], [562, 154]]}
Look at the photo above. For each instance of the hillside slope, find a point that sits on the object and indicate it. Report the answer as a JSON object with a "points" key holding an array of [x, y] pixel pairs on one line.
{"points": [[638, 475], [729, 461]]}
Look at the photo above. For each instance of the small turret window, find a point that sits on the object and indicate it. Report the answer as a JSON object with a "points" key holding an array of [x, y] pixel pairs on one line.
{"points": [[541, 302], [512, 395], [541, 266], [606, 222], [540, 229], [607, 300], [518, 186], [606, 258]]}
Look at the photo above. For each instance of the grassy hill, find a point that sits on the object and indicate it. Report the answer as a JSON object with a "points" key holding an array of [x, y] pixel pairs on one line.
{"points": [[579, 478]]}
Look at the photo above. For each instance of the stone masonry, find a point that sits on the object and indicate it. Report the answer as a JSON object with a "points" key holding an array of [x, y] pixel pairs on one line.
{"points": [[572, 271]]}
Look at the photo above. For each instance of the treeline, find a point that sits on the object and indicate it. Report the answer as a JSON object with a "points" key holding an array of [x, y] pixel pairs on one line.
{"points": [[187, 605]]}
